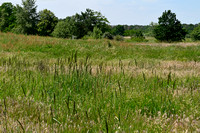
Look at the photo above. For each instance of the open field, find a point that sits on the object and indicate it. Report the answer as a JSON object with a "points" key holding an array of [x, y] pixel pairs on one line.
{"points": [[58, 85]]}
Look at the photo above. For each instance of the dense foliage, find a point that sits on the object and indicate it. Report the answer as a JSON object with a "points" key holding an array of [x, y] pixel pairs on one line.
{"points": [[82, 24], [196, 33], [134, 33], [118, 30], [97, 33], [26, 18], [169, 28], [65, 28], [86, 21], [47, 22], [7, 17], [147, 30]]}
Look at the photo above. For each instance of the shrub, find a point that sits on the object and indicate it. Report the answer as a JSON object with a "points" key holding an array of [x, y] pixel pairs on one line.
{"points": [[61, 30], [119, 38], [136, 36], [195, 35], [65, 28], [138, 39], [107, 35], [96, 34], [86, 37]]}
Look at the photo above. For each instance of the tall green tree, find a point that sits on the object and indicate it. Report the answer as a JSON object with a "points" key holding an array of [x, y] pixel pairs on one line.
{"points": [[47, 22], [7, 17], [86, 21], [27, 17], [169, 28]]}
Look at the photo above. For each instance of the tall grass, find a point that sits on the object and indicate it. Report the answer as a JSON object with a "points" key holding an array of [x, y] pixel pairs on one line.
{"points": [[85, 92], [71, 95]]}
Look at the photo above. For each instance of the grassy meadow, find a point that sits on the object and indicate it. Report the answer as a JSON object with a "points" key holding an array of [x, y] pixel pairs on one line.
{"points": [[59, 85]]}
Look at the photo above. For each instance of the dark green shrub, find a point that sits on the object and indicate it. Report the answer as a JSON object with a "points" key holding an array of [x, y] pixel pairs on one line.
{"points": [[118, 30], [107, 35]]}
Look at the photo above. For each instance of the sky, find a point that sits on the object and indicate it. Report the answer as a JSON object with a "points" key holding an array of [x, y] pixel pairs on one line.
{"points": [[130, 12]]}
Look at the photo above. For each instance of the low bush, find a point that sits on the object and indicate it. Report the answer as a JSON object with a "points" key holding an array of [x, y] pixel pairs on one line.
{"points": [[119, 38], [96, 34], [137, 39], [107, 35]]}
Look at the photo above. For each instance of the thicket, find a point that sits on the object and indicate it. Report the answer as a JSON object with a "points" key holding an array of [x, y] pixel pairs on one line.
{"points": [[195, 35]]}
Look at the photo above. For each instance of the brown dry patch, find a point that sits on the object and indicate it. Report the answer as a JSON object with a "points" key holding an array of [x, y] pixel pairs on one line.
{"points": [[180, 92], [179, 64], [174, 123], [177, 68]]}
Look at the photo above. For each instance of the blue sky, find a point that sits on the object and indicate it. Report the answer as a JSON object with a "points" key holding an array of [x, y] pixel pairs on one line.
{"points": [[141, 12]]}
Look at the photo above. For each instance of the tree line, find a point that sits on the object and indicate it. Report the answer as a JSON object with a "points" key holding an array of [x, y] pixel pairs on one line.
{"points": [[24, 19]]}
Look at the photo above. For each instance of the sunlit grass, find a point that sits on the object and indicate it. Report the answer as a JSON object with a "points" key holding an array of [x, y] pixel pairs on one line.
{"points": [[58, 85]]}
